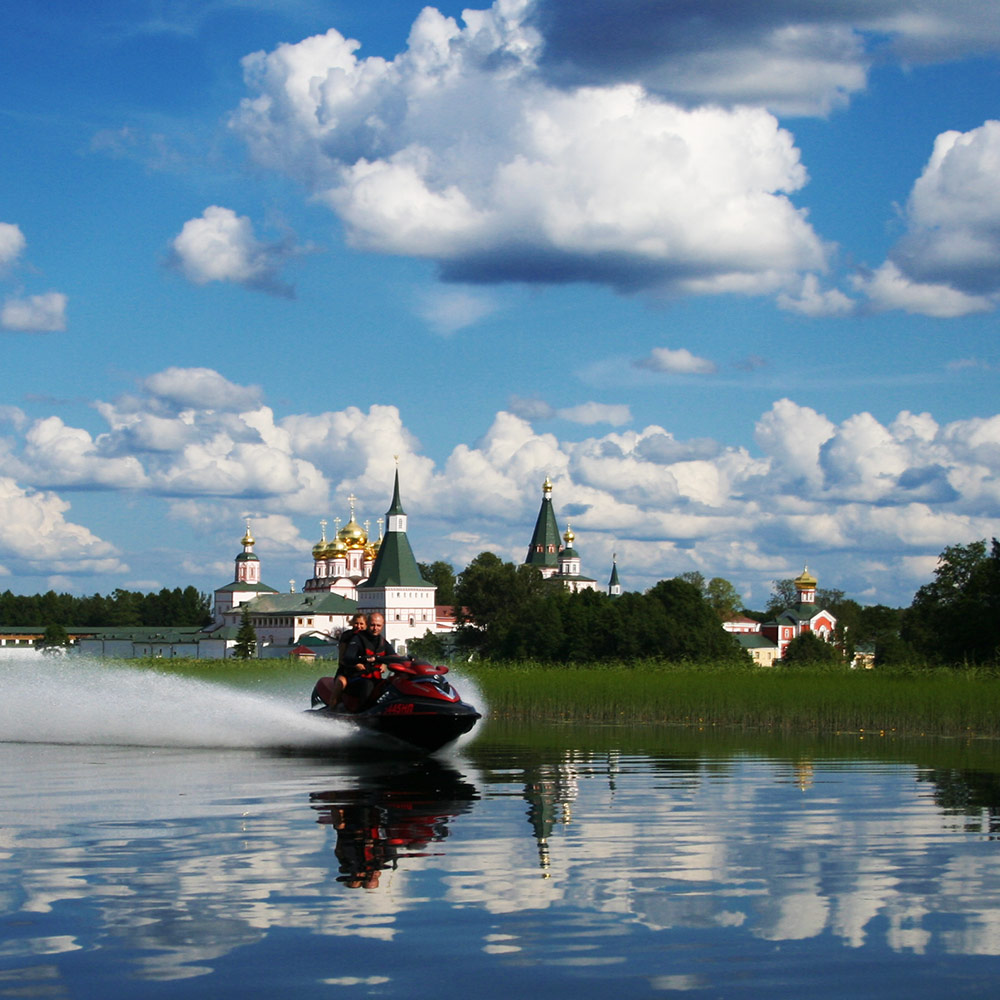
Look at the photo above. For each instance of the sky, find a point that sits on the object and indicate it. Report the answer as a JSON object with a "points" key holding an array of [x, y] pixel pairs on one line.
{"points": [[728, 274]]}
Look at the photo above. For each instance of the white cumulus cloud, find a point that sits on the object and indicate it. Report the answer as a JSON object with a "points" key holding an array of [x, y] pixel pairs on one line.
{"points": [[44, 313], [679, 361], [812, 300], [202, 388], [35, 536], [863, 501], [12, 243], [220, 245], [459, 151], [948, 261]]}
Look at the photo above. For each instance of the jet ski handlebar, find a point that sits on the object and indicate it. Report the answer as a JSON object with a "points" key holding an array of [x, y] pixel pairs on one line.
{"points": [[411, 666]]}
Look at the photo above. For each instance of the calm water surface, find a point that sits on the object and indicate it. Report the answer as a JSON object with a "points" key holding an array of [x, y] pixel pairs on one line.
{"points": [[527, 863]]}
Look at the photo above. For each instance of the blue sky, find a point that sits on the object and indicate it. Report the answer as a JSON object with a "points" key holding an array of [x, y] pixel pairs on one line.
{"points": [[727, 273]]}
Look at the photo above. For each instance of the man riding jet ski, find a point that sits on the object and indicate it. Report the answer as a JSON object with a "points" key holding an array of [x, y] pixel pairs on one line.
{"points": [[400, 697]]}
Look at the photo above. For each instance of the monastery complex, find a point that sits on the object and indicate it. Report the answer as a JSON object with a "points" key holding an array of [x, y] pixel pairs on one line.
{"points": [[353, 572]]}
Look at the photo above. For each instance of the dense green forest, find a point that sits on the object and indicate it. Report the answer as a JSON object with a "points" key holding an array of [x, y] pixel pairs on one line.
{"points": [[509, 612], [122, 608]]}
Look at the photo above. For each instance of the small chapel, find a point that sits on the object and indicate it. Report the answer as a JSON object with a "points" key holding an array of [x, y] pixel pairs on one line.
{"points": [[767, 641]]}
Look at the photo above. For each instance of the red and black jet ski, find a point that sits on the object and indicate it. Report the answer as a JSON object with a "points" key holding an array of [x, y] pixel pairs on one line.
{"points": [[414, 704]]}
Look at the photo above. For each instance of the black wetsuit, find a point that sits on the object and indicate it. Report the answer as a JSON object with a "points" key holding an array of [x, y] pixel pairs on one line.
{"points": [[366, 649], [345, 639]]}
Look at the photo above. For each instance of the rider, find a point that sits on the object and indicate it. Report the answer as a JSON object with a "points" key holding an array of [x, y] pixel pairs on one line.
{"points": [[358, 671], [362, 653]]}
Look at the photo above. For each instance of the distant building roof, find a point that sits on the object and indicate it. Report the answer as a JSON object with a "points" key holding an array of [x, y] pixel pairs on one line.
{"points": [[313, 603], [754, 640], [245, 588]]}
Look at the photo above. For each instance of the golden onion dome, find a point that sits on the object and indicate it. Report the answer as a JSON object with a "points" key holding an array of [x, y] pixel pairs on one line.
{"points": [[353, 535], [806, 581], [247, 539], [319, 549], [337, 547], [568, 537]]}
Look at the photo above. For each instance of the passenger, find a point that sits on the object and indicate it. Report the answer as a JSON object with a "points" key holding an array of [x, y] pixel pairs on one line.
{"points": [[358, 624], [328, 690]]}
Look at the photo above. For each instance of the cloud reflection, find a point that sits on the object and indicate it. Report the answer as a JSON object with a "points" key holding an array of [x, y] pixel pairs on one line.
{"points": [[176, 862]]}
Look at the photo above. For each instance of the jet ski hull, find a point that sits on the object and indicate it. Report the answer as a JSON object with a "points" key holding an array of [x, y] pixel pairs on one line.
{"points": [[426, 730], [414, 706]]}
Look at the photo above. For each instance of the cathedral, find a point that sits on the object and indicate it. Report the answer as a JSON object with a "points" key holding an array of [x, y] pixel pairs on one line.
{"points": [[766, 642], [344, 562], [351, 573]]}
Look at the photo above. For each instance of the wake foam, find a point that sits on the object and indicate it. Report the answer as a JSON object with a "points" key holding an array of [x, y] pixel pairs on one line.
{"points": [[81, 701]]}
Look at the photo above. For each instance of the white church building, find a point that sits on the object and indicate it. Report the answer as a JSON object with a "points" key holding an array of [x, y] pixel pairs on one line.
{"points": [[351, 573]]}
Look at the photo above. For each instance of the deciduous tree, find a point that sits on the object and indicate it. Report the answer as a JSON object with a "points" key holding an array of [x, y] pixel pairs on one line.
{"points": [[956, 618]]}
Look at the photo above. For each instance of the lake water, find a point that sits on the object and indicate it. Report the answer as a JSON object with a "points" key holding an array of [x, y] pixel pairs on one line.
{"points": [[171, 850]]}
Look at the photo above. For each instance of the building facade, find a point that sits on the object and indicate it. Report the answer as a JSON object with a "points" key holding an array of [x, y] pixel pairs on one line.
{"points": [[767, 641], [350, 573]]}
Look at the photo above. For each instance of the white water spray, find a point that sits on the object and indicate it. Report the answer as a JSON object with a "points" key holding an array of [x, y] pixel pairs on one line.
{"points": [[83, 701]]}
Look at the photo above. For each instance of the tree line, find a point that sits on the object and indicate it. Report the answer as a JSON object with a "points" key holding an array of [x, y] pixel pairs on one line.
{"points": [[955, 618], [121, 608], [510, 612]]}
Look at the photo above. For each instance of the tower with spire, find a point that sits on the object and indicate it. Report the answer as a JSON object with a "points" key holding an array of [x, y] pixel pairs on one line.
{"points": [[614, 586], [543, 550], [556, 562], [395, 586]]}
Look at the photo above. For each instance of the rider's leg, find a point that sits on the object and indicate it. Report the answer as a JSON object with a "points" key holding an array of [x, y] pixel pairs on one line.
{"points": [[327, 691]]}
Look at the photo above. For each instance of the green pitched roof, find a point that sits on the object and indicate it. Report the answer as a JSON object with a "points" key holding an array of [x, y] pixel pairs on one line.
{"points": [[148, 633], [395, 565], [754, 640], [245, 588], [316, 603], [799, 613], [544, 547]]}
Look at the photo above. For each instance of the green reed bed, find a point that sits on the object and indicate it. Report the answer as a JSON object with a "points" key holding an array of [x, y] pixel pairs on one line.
{"points": [[946, 702], [957, 702]]}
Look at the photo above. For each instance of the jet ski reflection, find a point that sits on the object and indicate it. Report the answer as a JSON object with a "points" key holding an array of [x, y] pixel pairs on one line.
{"points": [[393, 814]]}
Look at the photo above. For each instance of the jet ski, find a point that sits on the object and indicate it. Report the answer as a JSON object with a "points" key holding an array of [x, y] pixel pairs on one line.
{"points": [[412, 704]]}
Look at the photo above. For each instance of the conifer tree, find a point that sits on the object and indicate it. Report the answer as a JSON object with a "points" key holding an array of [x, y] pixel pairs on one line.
{"points": [[246, 638]]}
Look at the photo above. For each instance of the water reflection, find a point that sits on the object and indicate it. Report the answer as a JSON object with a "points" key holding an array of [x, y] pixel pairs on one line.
{"points": [[397, 812], [974, 795], [661, 868]]}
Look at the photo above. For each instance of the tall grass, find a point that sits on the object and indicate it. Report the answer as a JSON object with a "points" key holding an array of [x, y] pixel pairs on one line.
{"points": [[946, 702], [913, 702]]}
